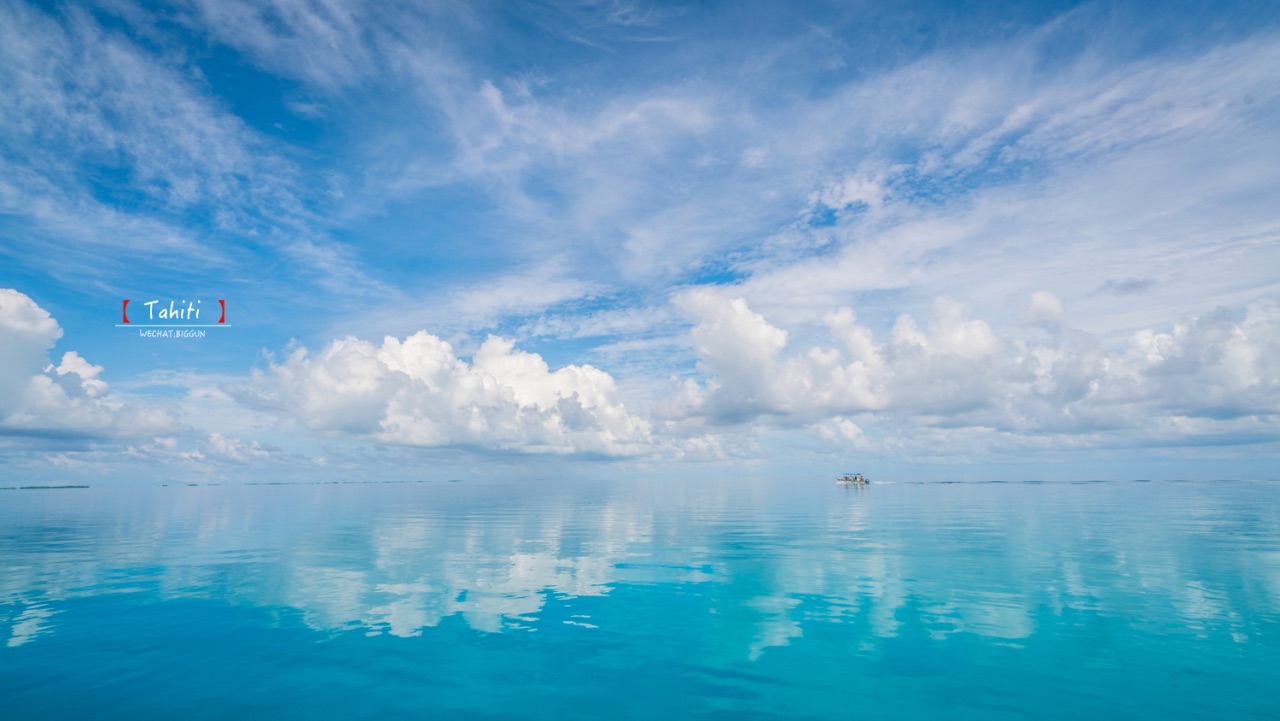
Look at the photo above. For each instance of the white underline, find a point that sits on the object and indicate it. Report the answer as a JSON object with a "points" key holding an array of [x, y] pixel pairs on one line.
{"points": [[170, 325]]}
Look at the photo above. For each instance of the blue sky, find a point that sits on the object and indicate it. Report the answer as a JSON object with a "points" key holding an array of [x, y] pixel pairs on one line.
{"points": [[927, 239]]}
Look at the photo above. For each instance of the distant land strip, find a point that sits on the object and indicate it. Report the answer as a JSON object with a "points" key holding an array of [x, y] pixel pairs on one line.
{"points": [[33, 488]]}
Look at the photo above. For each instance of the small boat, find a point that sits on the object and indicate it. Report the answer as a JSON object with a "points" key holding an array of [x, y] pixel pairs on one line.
{"points": [[854, 479]]}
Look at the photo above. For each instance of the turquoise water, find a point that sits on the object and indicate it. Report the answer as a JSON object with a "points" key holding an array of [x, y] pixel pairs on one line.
{"points": [[744, 600]]}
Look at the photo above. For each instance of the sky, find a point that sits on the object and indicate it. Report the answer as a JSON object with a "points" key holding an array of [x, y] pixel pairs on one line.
{"points": [[930, 240]]}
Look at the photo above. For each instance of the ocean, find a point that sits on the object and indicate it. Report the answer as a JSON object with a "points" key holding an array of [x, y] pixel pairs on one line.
{"points": [[714, 599]]}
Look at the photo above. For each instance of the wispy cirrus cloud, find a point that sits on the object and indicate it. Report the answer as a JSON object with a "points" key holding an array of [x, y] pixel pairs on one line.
{"points": [[124, 151]]}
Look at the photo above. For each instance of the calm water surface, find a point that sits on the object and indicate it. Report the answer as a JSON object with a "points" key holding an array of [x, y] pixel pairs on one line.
{"points": [[798, 600]]}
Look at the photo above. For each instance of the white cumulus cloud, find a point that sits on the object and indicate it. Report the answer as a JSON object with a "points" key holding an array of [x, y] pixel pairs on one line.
{"points": [[1214, 374], [417, 392], [38, 397]]}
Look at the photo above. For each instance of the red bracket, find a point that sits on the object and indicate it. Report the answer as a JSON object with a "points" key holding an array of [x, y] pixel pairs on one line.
{"points": [[222, 303], [124, 311]]}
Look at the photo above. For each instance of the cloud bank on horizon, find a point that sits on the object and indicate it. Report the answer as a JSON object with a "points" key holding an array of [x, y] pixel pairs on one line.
{"points": [[464, 233]]}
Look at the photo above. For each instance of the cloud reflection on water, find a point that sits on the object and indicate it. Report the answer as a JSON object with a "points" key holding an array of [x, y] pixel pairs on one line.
{"points": [[751, 566]]}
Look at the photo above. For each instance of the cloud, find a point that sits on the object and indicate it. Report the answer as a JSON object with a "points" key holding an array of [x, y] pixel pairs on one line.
{"points": [[38, 398], [417, 392], [326, 43], [88, 102], [1210, 374], [1213, 366], [1128, 286], [990, 172], [29, 332], [117, 154], [532, 293], [944, 369], [740, 348], [236, 450]]}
